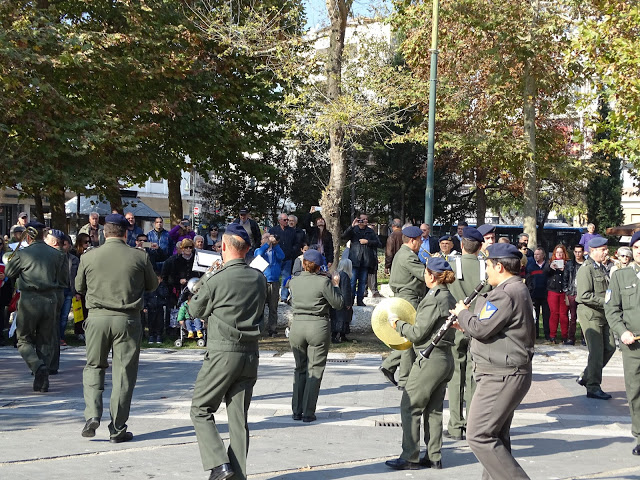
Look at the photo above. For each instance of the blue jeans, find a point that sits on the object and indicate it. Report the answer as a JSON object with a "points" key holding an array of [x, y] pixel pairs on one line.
{"points": [[360, 276], [193, 324], [285, 272], [64, 314]]}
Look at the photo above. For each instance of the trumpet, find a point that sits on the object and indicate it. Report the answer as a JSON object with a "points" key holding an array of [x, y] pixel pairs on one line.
{"points": [[194, 284]]}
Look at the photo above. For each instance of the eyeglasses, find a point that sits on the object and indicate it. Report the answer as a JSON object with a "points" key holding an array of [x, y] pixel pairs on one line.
{"points": [[187, 248], [86, 243]]}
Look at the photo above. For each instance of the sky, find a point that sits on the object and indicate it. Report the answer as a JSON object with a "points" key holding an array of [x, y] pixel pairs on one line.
{"points": [[316, 10]]}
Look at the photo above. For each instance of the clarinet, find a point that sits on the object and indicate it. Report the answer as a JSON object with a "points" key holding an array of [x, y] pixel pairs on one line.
{"points": [[452, 318]]}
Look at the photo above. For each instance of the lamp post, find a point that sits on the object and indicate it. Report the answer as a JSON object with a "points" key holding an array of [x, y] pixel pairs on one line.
{"points": [[428, 193]]}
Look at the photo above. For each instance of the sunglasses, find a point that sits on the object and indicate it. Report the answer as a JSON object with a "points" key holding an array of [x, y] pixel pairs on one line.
{"points": [[187, 248]]}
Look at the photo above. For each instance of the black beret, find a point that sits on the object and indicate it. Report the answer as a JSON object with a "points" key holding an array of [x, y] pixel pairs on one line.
{"points": [[634, 238], [446, 237], [503, 250], [116, 219], [486, 229], [438, 265], [472, 234], [238, 230]]}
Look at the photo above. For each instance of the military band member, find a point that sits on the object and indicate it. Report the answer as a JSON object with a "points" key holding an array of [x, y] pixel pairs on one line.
{"points": [[488, 233], [592, 284], [311, 297], [41, 273], [407, 282], [502, 334], [113, 278], [446, 248], [424, 392], [470, 271], [622, 308], [55, 238], [232, 300]]}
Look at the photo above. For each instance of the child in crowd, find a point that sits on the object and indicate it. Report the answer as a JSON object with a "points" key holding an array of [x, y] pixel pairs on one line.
{"points": [[193, 325], [154, 303]]}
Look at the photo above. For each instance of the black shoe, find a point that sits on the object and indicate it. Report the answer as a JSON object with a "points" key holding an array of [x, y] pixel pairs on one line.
{"points": [[53, 372], [402, 464], [437, 464], [389, 374], [569, 342], [273, 334], [309, 419], [41, 380], [297, 416], [122, 437], [425, 462], [599, 394], [452, 437], [221, 472], [636, 450], [580, 381], [90, 427], [336, 340], [345, 339], [361, 303]]}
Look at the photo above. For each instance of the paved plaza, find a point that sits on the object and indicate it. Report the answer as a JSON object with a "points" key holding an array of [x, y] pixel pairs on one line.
{"points": [[558, 433]]}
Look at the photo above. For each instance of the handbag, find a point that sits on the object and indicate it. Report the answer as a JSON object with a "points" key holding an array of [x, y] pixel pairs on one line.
{"points": [[78, 314]]}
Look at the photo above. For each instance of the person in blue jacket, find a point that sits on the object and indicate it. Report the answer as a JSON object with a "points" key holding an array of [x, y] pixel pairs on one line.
{"points": [[271, 251]]}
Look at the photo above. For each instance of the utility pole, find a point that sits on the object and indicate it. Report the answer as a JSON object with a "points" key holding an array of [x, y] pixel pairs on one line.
{"points": [[428, 193]]}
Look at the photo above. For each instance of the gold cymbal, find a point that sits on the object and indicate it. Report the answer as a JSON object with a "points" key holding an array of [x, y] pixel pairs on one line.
{"points": [[380, 321]]}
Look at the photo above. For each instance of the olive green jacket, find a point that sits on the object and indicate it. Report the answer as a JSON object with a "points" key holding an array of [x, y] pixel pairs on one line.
{"points": [[407, 276], [87, 229], [467, 270], [432, 313], [312, 295], [592, 285], [39, 268], [114, 278], [232, 301], [622, 300]]}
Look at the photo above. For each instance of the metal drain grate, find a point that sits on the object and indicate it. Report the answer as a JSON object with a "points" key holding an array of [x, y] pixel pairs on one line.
{"points": [[388, 424], [337, 360]]}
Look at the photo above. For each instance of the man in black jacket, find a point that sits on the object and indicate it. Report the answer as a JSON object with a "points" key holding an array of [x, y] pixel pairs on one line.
{"points": [[252, 228], [289, 245], [364, 242]]}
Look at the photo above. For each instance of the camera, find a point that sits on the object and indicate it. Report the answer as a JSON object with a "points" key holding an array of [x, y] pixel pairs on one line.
{"points": [[360, 220], [277, 237]]}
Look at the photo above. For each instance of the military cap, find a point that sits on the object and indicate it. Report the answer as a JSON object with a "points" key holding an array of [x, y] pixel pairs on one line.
{"points": [[472, 234], [116, 219], [438, 265], [596, 242], [16, 229], [54, 232], [448, 238], [503, 250], [634, 238], [486, 229], [412, 232], [35, 224], [313, 256], [238, 230]]}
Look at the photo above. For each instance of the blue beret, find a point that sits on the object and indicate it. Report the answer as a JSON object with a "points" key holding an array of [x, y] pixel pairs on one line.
{"points": [[36, 224], [472, 234], [314, 256], [438, 264], [412, 232], [116, 219], [54, 232], [238, 230], [446, 237], [596, 242], [503, 250], [634, 238], [486, 229]]}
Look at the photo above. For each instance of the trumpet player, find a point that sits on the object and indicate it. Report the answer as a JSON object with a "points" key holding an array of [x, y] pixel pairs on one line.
{"points": [[423, 395], [502, 334], [41, 273]]}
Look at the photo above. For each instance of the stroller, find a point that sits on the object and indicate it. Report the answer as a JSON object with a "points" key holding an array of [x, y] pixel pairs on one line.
{"points": [[200, 341]]}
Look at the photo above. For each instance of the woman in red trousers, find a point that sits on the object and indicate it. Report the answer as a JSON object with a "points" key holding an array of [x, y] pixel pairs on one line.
{"points": [[556, 296]]}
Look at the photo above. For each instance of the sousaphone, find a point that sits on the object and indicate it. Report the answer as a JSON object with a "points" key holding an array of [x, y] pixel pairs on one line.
{"points": [[380, 321]]}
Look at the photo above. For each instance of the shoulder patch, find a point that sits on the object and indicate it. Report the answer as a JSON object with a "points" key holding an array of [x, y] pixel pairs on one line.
{"points": [[607, 296], [487, 311]]}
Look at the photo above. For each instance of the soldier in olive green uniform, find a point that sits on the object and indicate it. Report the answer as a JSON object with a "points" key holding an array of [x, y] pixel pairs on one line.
{"points": [[622, 308], [232, 301], [424, 392], [113, 278], [470, 271], [502, 332], [407, 282], [592, 283], [311, 297], [41, 272]]}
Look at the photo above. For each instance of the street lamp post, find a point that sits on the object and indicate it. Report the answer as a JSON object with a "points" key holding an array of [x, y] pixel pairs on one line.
{"points": [[428, 193]]}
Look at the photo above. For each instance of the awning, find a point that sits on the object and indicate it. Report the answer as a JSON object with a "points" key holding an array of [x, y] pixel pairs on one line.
{"points": [[94, 204], [623, 229]]}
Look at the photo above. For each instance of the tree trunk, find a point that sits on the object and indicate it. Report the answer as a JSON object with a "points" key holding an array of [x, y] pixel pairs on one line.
{"points": [[37, 198], [332, 194], [114, 198], [56, 202], [481, 205], [175, 198], [530, 196]]}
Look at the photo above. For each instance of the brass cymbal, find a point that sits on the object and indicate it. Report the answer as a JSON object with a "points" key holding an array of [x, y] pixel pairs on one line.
{"points": [[380, 321]]}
